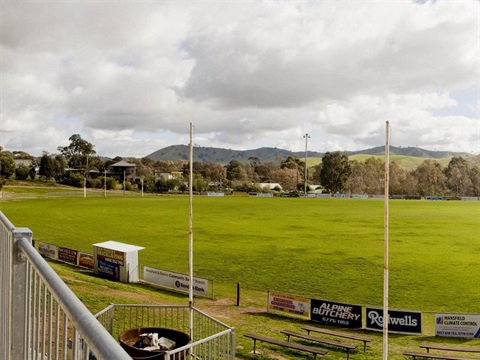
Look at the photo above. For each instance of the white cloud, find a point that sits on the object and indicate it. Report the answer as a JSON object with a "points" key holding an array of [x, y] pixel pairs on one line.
{"points": [[131, 76]]}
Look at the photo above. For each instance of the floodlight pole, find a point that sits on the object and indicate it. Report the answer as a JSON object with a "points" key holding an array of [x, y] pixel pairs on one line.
{"points": [[306, 137], [385, 256]]}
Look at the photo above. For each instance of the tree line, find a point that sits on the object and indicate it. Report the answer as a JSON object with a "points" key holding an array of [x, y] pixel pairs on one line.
{"points": [[78, 165]]}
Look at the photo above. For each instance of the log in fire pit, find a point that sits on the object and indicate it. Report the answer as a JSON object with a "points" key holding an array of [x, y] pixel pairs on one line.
{"points": [[150, 341]]}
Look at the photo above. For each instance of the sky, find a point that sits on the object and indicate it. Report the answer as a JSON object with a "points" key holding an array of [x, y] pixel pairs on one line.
{"points": [[131, 76]]}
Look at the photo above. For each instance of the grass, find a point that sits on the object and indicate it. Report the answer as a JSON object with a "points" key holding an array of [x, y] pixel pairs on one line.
{"points": [[328, 249]]}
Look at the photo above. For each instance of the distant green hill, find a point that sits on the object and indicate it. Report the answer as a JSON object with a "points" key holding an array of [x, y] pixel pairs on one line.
{"points": [[218, 155], [408, 157]]}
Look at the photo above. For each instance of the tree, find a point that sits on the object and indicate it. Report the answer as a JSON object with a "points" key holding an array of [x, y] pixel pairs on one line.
{"points": [[236, 171], [398, 179], [266, 172], [287, 178], [199, 183], [356, 181], [47, 169], [458, 180], [430, 178], [33, 172], [335, 171], [77, 152], [475, 179], [59, 165], [7, 164], [215, 172]]}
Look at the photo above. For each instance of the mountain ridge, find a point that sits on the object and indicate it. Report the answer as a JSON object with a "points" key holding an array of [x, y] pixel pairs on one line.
{"points": [[267, 154]]}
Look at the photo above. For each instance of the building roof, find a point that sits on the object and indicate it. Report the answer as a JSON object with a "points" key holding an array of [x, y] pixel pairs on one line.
{"points": [[123, 164], [118, 246]]}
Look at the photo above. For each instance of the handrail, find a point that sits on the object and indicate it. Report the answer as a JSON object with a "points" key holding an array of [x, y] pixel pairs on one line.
{"points": [[6, 223], [94, 334]]}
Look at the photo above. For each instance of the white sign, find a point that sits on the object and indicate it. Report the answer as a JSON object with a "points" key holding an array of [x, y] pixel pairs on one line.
{"points": [[457, 325], [218, 194], [47, 250], [174, 280], [289, 303]]}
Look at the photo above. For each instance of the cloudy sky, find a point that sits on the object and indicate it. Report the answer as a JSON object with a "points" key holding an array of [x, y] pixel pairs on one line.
{"points": [[130, 76]]}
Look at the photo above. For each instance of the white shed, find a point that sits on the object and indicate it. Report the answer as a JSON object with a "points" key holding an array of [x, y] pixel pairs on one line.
{"points": [[116, 261]]}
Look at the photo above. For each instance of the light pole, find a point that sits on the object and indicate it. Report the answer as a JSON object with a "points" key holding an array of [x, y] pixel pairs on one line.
{"points": [[85, 181], [306, 137], [105, 183]]}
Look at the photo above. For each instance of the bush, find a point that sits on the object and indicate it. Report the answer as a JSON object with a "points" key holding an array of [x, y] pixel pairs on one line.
{"points": [[22, 172], [95, 183], [128, 186], [73, 179], [248, 187], [111, 183]]}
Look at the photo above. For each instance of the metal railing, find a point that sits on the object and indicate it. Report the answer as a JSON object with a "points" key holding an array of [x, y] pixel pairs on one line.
{"points": [[40, 317], [210, 338]]}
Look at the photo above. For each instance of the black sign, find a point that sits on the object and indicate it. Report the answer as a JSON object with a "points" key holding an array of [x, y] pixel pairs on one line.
{"points": [[67, 255], [400, 321], [332, 313]]}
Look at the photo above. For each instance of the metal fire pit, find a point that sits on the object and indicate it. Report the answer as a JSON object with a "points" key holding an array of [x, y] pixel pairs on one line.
{"points": [[129, 338]]}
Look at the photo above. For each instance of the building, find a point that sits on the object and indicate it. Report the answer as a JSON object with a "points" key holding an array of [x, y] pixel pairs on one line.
{"points": [[123, 170], [270, 186]]}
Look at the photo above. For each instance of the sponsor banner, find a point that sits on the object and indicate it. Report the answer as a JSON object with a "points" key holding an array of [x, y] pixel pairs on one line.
{"points": [[338, 314], [289, 303], [85, 260], [47, 250], [218, 194], [175, 280], [400, 321], [108, 270], [457, 325], [111, 256], [359, 196], [67, 255], [264, 195]]}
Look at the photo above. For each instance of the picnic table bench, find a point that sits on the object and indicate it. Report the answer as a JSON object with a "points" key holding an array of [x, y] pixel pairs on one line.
{"points": [[415, 354], [449, 348], [292, 345], [339, 334], [346, 346]]}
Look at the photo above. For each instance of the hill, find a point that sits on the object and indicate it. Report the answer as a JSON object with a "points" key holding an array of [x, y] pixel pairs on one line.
{"points": [[267, 154]]}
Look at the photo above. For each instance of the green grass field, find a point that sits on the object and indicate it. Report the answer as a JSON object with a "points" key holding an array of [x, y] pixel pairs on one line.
{"points": [[329, 249]]}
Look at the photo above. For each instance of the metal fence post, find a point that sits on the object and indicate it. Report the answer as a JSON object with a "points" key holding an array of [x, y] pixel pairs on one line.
{"points": [[18, 296]]}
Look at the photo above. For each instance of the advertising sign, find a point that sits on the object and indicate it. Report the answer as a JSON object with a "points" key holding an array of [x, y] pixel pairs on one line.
{"points": [[108, 270], [67, 255], [111, 256], [85, 260], [47, 250], [400, 321], [457, 325], [338, 314], [289, 303], [175, 280]]}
